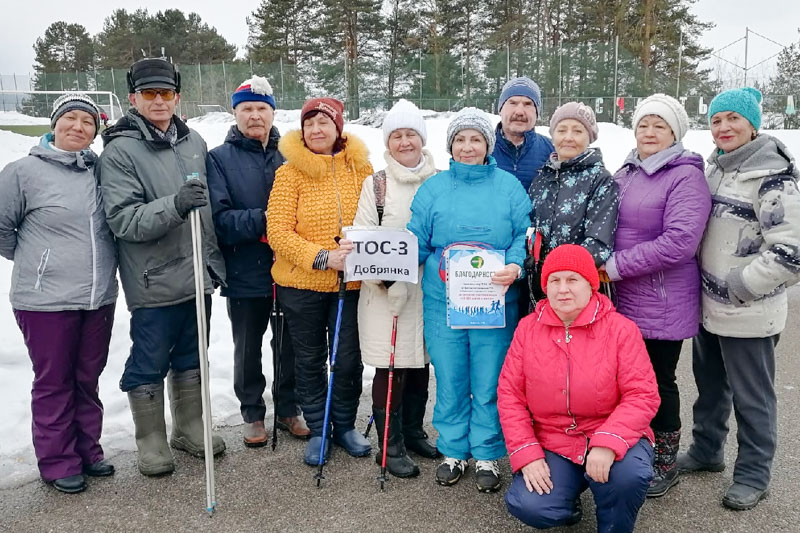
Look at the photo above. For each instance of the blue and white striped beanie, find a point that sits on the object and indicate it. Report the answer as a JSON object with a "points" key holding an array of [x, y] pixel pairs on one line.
{"points": [[72, 101]]}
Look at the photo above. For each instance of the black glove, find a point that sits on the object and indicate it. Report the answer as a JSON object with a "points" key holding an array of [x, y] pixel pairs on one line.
{"points": [[191, 194]]}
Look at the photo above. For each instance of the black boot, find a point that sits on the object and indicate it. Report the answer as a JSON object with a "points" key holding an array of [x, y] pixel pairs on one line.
{"points": [[398, 463], [665, 469], [415, 437]]}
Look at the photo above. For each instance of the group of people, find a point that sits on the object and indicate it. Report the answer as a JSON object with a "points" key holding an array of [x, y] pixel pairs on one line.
{"points": [[578, 387]]}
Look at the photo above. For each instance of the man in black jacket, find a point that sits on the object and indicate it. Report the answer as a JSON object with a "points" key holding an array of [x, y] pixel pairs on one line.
{"points": [[240, 176]]}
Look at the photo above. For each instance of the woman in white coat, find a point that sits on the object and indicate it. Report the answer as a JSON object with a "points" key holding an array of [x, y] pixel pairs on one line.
{"points": [[386, 201]]}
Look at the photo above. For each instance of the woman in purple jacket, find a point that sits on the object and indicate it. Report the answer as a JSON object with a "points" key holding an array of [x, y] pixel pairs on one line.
{"points": [[663, 209]]}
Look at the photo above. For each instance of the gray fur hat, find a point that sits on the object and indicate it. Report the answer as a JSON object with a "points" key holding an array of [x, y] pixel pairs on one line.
{"points": [[471, 118]]}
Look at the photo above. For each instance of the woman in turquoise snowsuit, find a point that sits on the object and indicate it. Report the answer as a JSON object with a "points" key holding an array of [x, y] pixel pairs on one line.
{"points": [[472, 202]]}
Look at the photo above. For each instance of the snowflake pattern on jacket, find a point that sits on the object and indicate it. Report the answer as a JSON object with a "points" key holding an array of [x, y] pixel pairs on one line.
{"points": [[575, 202]]}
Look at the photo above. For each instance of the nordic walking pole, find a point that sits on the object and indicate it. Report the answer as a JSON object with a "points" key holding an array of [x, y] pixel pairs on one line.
{"points": [[277, 332], [199, 292], [369, 426], [382, 478], [342, 291]]}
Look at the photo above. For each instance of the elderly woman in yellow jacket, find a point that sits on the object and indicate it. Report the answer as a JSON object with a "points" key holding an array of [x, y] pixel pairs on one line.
{"points": [[316, 194]]}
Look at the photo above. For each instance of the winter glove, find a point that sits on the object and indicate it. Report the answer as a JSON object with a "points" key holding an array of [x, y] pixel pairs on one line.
{"points": [[738, 293], [191, 194], [398, 295]]}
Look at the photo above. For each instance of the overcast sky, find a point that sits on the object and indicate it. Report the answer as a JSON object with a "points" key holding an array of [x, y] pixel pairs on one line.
{"points": [[21, 22]]}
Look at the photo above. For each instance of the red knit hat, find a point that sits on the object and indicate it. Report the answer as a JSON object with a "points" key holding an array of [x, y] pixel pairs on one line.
{"points": [[330, 106], [573, 258]]}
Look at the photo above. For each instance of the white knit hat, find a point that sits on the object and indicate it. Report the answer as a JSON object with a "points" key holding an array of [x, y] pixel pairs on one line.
{"points": [[666, 107], [471, 118], [404, 114]]}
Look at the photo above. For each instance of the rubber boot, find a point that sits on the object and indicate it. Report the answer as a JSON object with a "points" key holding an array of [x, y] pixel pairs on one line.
{"points": [[147, 408], [398, 463], [416, 440], [186, 404], [665, 469]]}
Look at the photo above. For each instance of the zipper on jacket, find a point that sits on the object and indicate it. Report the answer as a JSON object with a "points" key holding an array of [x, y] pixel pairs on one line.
{"points": [[94, 262], [40, 270], [156, 270], [661, 285], [574, 424]]}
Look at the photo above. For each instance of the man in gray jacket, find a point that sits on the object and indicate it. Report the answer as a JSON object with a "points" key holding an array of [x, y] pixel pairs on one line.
{"points": [[152, 171]]}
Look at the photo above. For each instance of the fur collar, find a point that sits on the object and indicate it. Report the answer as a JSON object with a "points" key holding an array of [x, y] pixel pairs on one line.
{"points": [[355, 155]]}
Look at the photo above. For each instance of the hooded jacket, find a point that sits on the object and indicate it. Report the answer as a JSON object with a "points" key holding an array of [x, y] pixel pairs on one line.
{"points": [[140, 174], [524, 161], [313, 198], [575, 202], [241, 173], [53, 227], [570, 389], [374, 316], [663, 210], [752, 244]]}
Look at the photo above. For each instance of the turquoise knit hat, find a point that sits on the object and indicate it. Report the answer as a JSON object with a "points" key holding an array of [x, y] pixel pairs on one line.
{"points": [[745, 101]]}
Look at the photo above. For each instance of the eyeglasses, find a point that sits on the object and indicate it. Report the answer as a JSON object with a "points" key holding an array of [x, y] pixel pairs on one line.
{"points": [[150, 94]]}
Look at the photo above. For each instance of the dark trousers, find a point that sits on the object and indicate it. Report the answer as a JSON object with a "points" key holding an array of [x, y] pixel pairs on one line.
{"points": [[249, 320], [163, 338], [69, 350], [664, 356], [407, 381], [311, 317], [524, 298], [740, 374], [618, 501]]}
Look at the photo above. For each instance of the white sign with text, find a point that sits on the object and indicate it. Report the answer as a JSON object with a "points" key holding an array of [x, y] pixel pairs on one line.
{"points": [[389, 254]]}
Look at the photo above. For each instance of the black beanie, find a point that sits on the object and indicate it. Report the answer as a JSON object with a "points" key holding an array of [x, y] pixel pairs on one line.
{"points": [[153, 74]]}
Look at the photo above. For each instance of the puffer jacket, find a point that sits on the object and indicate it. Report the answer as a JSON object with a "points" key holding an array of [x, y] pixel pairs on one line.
{"points": [[663, 210], [479, 203], [313, 198], [752, 243], [570, 389], [575, 202], [241, 173], [53, 227], [524, 161], [374, 317], [140, 174]]}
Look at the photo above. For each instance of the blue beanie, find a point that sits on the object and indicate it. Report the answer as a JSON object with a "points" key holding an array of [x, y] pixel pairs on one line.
{"points": [[523, 86], [256, 89], [745, 101]]}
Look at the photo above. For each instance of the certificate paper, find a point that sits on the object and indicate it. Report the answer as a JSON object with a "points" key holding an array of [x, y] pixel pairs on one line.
{"points": [[473, 301]]}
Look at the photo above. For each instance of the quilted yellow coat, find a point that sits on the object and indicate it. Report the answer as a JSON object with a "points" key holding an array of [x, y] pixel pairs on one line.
{"points": [[313, 197]]}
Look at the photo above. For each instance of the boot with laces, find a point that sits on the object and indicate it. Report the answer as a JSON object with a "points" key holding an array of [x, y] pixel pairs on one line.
{"points": [[487, 476], [450, 471]]}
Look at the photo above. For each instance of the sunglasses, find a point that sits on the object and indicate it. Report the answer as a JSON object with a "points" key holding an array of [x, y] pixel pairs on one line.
{"points": [[150, 94]]}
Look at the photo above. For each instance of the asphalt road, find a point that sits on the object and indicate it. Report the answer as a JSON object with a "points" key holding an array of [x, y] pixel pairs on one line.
{"points": [[265, 491]]}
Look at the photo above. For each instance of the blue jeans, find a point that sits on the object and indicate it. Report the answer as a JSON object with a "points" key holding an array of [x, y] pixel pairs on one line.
{"points": [[163, 338], [618, 501]]}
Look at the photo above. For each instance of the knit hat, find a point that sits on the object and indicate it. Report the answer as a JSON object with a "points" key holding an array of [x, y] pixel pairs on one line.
{"points": [[330, 106], [573, 258], [745, 101], [576, 111], [404, 114], [153, 74], [667, 108], [474, 119], [75, 101], [256, 89], [522, 86]]}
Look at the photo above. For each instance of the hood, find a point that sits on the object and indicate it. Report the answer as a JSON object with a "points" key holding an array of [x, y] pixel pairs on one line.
{"points": [[82, 160], [135, 126], [674, 156], [473, 173], [355, 155], [598, 307], [406, 175], [236, 138], [763, 156], [592, 157]]}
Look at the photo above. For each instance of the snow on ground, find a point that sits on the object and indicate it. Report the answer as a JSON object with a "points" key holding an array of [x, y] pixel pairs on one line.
{"points": [[13, 118], [17, 461]]}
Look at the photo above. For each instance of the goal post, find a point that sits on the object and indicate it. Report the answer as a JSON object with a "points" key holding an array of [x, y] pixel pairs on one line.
{"points": [[40, 103]]}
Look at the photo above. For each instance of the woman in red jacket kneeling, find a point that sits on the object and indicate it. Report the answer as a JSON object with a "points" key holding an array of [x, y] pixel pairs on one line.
{"points": [[576, 396]]}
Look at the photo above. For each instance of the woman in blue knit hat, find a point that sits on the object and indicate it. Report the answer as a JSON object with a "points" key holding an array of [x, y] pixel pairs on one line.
{"points": [[748, 256]]}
